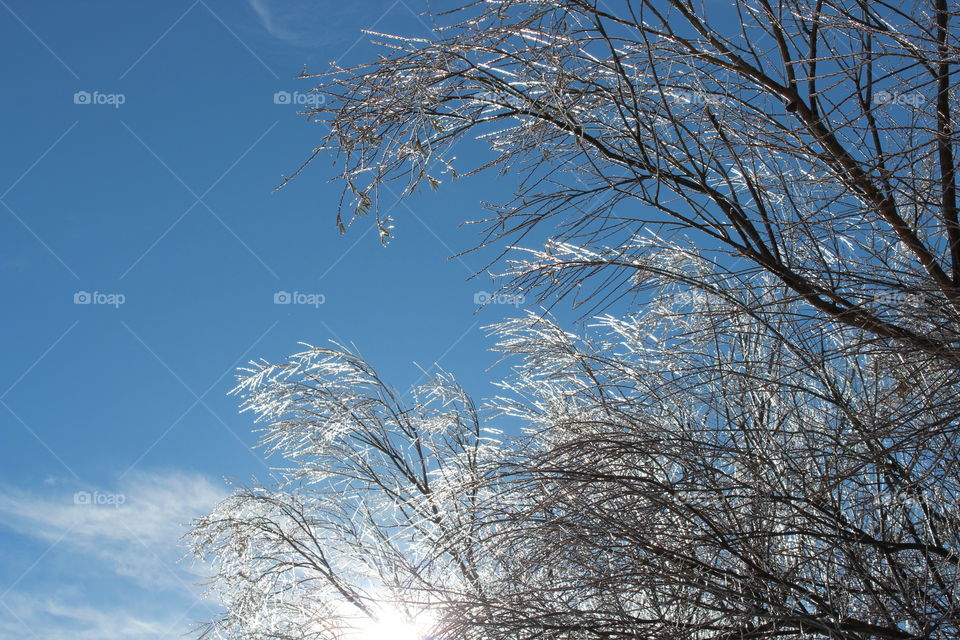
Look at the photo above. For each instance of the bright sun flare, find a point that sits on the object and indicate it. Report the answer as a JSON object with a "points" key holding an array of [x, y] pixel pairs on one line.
{"points": [[391, 626]]}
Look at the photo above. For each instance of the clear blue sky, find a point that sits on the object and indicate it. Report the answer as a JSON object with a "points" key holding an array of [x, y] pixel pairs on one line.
{"points": [[160, 209]]}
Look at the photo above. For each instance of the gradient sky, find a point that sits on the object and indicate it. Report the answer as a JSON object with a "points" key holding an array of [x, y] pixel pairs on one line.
{"points": [[141, 143]]}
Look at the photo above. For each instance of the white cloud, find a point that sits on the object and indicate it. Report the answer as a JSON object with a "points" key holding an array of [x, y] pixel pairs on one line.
{"points": [[309, 24], [271, 21], [148, 507], [50, 617], [123, 541], [135, 528]]}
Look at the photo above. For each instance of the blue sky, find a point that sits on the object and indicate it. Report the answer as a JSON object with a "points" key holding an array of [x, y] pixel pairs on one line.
{"points": [[142, 249]]}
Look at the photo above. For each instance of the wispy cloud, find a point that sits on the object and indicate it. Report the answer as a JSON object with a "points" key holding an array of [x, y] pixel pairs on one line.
{"points": [[272, 22], [303, 23], [122, 540], [150, 507], [52, 617]]}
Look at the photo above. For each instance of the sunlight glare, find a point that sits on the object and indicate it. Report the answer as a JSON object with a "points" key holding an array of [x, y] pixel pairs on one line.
{"points": [[390, 626]]}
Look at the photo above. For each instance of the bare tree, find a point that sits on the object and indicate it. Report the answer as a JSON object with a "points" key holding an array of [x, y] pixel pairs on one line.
{"points": [[810, 139], [370, 510], [697, 470], [701, 472], [764, 446]]}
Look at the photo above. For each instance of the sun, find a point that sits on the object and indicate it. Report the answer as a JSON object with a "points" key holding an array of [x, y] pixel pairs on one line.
{"points": [[391, 625]]}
